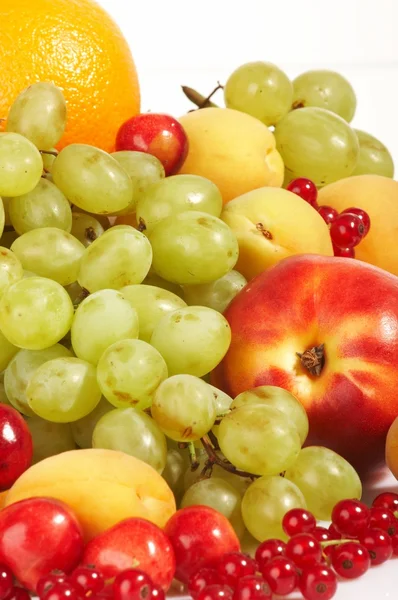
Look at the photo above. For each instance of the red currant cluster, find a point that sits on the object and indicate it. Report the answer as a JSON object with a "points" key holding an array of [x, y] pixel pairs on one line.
{"points": [[347, 229]]}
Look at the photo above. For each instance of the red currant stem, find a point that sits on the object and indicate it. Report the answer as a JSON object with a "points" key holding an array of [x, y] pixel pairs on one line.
{"points": [[192, 456], [197, 98], [51, 152], [337, 542], [222, 462]]}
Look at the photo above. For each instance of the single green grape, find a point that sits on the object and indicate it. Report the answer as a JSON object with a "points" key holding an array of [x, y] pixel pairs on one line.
{"points": [[177, 194], [118, 258], [49, 438], [11, 269], [102, 319], [279, 398], [220, 495], [223, 403], [86, 228], [325, 89], [133, 432], [91, 179], [173, 472], [374, 157], [63, 390], [151, 304], [35, 313], [7, 351], [44, 206], [261, 90], [8, 238], [82, 429], [183, 407], [259, 439], [20, 370], [39, 114], [317, 144], [190, 477], [324, 478], [266, 502], [50, 252], [21, 166], [103, 220], [192, 339], [48, 159], [129, 372], [217, 294]]}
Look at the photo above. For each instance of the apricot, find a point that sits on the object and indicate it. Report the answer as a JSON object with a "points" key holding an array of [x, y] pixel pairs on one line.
{"points": [[392, 448]]}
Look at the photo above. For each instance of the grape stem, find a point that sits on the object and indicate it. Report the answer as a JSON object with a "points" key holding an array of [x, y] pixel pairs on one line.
{"points": [[51, 152], [82, 296], [192, 456], [214, 459], [199, 100]]}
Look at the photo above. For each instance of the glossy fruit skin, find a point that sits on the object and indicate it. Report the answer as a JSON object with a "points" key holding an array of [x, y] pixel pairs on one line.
{"points": [[132, 583], [203, 578], [264, 324], [344, 252], [89, 579], [157, 134], [350, 517], [37, 536], [362, 214], [200, 536], [234, 565], [304, 550], [318, 582], [252, 587], [16, 447], [387, 500], [106, 69], [378, 544], [322, 534], [133, 541], [298, 520], [350, 560], [216, 592], [383, 518], [328, 213], [305, 188], [6, 581], [281, 574], [347, 230], [268, 550], [62, 591], [48, 581]]}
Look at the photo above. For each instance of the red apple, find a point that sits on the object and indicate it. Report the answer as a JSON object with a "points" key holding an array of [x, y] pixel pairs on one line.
{"points": [[156, 134], [133, 543], [346, 309], [16, 448], [200, 536], [37, 536]]}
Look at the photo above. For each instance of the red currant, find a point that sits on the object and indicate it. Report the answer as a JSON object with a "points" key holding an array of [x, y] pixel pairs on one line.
{"points": [[281, 575], [62, 591], [18, 593], [347, 230], [132, 583], [322, 534], [235, 565], [6, 581], [304, 549], [157, 593], [318, 582], [387, 500], [89, 579], [304, 188], [252, 587], [362, 215], [350, 517], [383, 518], [48, 581], [379, 545], [268, 550], [334, 533], [344, 252], [216, 592], [298, 520], [328, 213], [204, 578], [350, 560], [394, 541]]}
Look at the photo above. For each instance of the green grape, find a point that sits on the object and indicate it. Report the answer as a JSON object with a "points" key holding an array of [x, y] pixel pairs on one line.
{"points": [[91, 179], [190, 477], [324, 478], [151, 304], [8, 238], [21, 166], [48, 158], [44, 206], [82, 429], [63, 390], [261, 90], [50, 252], [183, 407], [192, 339], [156, 281], [173, 473], [86, 228], [217, 294], [129, 372], [35, 313], [266, 502], [7, 351], [248, 544], [144, 169], [222, 402], [374, 157], [102, 319], [39, 114], [317, 144], [259, 439], [279, 398], [102, 219], [11, 269], [325, 89], [133, 432], [6, 206], [20, 370], [118, 258], [177, 194], [49, 438], [220, 495]]}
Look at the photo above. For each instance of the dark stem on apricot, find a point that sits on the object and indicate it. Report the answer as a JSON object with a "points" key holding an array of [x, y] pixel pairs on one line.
{"points": [[313, 359], [214, 459], [198, 99]]}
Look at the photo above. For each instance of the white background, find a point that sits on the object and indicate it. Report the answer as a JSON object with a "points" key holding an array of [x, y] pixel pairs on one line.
{"points": [[197, 42]]}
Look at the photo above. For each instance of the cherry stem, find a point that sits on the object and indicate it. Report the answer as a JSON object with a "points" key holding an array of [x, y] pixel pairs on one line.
{"points": [[214, 459], [198, 99], [192, 456]]}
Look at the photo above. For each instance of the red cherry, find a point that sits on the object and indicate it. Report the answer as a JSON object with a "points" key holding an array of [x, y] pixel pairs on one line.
{"points": [[362, 215], [252, 587], [204, 578], [382, 518], [378, 544], [350, 560], [394, 541], [387, 500], [350, 517], [157, 593], [216, 592], [6, 582], [334, 533], [322, 534], [235, 565], [89, 579], [46, 582], [61, 591], [281, 575], [18, 593], [304, 549], [268, 550], [318, 582], [344, 252], [328, 213], [305, 188], [347, 230], [298, 520], [132, 583]]}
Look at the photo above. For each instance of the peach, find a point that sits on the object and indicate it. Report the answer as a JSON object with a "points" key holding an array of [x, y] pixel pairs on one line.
{"points": [[392, 448]]}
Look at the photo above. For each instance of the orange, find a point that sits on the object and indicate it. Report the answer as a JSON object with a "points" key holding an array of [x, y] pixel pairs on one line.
{"points": [[76, 45]]}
